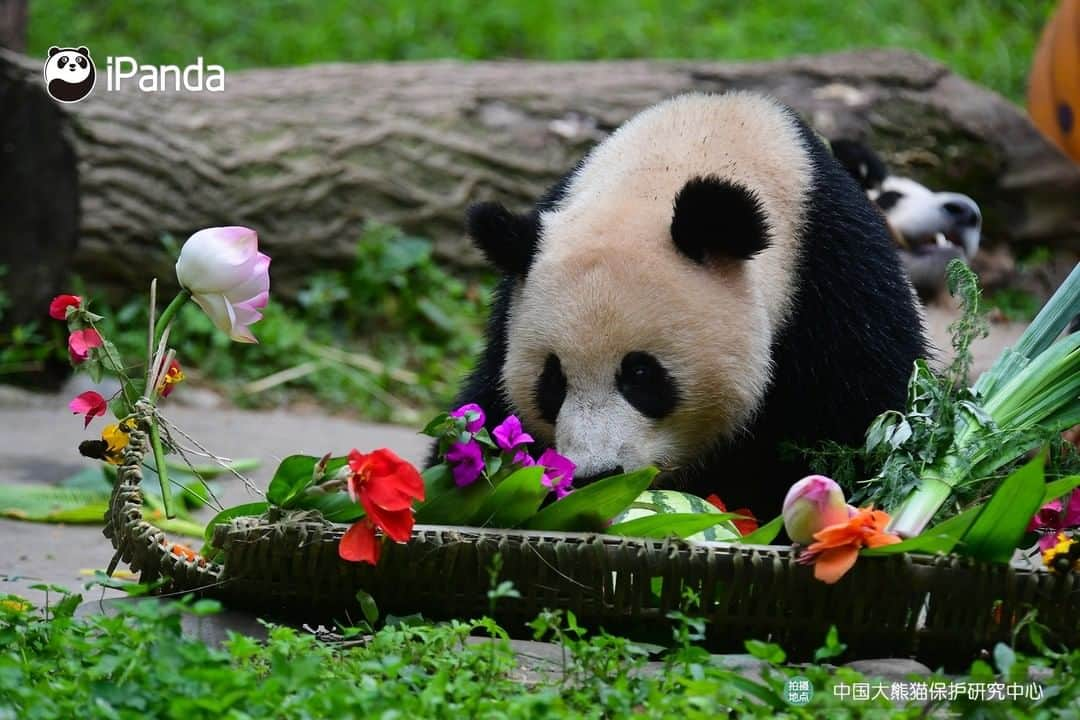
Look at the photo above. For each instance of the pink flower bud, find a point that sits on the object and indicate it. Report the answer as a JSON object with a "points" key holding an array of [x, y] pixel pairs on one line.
{"points": [[813, 503], [227, 276]]}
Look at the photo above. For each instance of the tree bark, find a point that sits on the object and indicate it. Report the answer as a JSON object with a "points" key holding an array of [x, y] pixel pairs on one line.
{"points": [[13, 24], [306, 155]]}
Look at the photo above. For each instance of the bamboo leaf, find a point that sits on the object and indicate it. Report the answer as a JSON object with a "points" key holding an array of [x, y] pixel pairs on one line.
{"points": [[999, 527], [765, 534], [590, 508]]}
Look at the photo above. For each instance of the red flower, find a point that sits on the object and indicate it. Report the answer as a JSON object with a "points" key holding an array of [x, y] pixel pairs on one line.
{"points": [[745, 526], [59, 305], [90, 404], [386, 486], [81, 342], [359, 543]]}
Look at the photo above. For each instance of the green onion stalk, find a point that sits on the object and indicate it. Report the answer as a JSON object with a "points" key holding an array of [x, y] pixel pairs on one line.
{"points": [[1031, 391]]}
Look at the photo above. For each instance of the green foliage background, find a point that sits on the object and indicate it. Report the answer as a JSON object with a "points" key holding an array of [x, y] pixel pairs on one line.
{"points": [[989, 41]]}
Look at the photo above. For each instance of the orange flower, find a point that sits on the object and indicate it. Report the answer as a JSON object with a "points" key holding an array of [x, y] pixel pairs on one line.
{"points": [[386, 486], [838, 545], [745, 526]]}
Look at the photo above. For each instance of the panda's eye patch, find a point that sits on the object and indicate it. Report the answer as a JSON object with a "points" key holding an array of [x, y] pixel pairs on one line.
{"points": [[62, 61], [82, 62], [646, 385], [551, 389]]}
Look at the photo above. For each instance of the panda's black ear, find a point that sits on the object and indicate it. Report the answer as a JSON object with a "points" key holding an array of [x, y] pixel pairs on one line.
{"points": [[53, 50], [507, 239], [82, 50], [861, 163], [718, 219]]}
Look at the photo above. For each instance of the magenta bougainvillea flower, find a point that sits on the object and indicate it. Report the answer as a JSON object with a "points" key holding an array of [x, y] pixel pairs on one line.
{"points": [[466, 462], [558, 472], [81, 342], [1052, 518], [473, 414], [508, 435], [88, 404]]}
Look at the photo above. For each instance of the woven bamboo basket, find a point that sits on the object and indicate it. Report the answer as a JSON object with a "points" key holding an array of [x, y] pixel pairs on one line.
{"points": [[941, 609]]}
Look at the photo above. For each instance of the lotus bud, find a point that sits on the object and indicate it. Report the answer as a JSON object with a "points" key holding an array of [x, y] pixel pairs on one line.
{"points": [[813, 503]]}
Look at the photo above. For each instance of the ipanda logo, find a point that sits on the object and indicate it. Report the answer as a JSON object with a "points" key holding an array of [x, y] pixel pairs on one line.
{"points": [[70, 75]]}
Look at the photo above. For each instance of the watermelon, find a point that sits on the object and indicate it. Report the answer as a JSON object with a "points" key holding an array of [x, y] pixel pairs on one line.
{"points": [[655, 502]]}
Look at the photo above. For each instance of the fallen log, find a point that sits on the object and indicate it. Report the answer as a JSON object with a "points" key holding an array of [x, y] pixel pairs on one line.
{"points": [[306, 155]]}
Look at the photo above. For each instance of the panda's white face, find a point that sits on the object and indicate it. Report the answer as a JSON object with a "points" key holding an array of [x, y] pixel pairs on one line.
{"points": [[928, 220], [614, 360], [68, 65]]}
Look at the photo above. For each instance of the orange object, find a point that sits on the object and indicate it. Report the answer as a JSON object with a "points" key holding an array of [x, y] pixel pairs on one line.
{"points": [[1054, 84], [838, 546]]}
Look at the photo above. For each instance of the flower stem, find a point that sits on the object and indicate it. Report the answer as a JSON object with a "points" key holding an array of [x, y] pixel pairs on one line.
{"points": [[162, 468], [167, 314]]}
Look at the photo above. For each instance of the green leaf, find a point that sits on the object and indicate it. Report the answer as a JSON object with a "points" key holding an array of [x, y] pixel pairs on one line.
{"points": [[368, 606], [453, 506], [245, 510], [769, 652], [514, 500], [46, 503], [335, 507], [832, 647], [765, 534], [664, 525], [593, 506], [290, 479], [1057, 488], [1000, 526], [940, 538]]}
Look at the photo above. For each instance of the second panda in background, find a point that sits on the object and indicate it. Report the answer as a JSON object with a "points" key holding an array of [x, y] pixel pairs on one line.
{"points": [[931, 228], [705, 286]]}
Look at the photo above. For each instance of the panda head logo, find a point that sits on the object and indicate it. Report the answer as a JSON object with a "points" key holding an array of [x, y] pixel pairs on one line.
{"points": [[69, 73]]}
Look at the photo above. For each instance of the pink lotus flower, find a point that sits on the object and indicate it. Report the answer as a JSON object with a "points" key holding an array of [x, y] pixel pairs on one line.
{"points": [[1052, 518], [227, 276], [89, 404], [508, 434], [811, 505], [59, 305], [81, 342], [558, 472], [473, 414], [466, 462]]}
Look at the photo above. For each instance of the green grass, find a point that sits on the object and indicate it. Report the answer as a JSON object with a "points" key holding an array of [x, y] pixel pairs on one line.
{"points": [[137, 664], [989, 41]]}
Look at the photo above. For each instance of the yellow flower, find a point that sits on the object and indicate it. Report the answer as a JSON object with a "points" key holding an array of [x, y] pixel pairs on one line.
{"points": [[116, 438], [15, 604], [172, 376], [1064, 556]]}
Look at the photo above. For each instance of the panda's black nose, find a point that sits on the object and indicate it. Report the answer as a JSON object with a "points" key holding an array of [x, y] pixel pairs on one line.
{"points": [[964, 214]]}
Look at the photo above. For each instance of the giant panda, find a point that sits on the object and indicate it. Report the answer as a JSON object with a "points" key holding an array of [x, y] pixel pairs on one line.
{"points": [[931, 228], [705, 286]]}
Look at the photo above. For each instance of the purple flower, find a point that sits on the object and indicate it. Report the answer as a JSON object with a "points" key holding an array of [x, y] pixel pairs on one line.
{"points": [[559, 472], [523, 459], [508, 434], [473, 414], [466, 462], [1052, 518]]}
